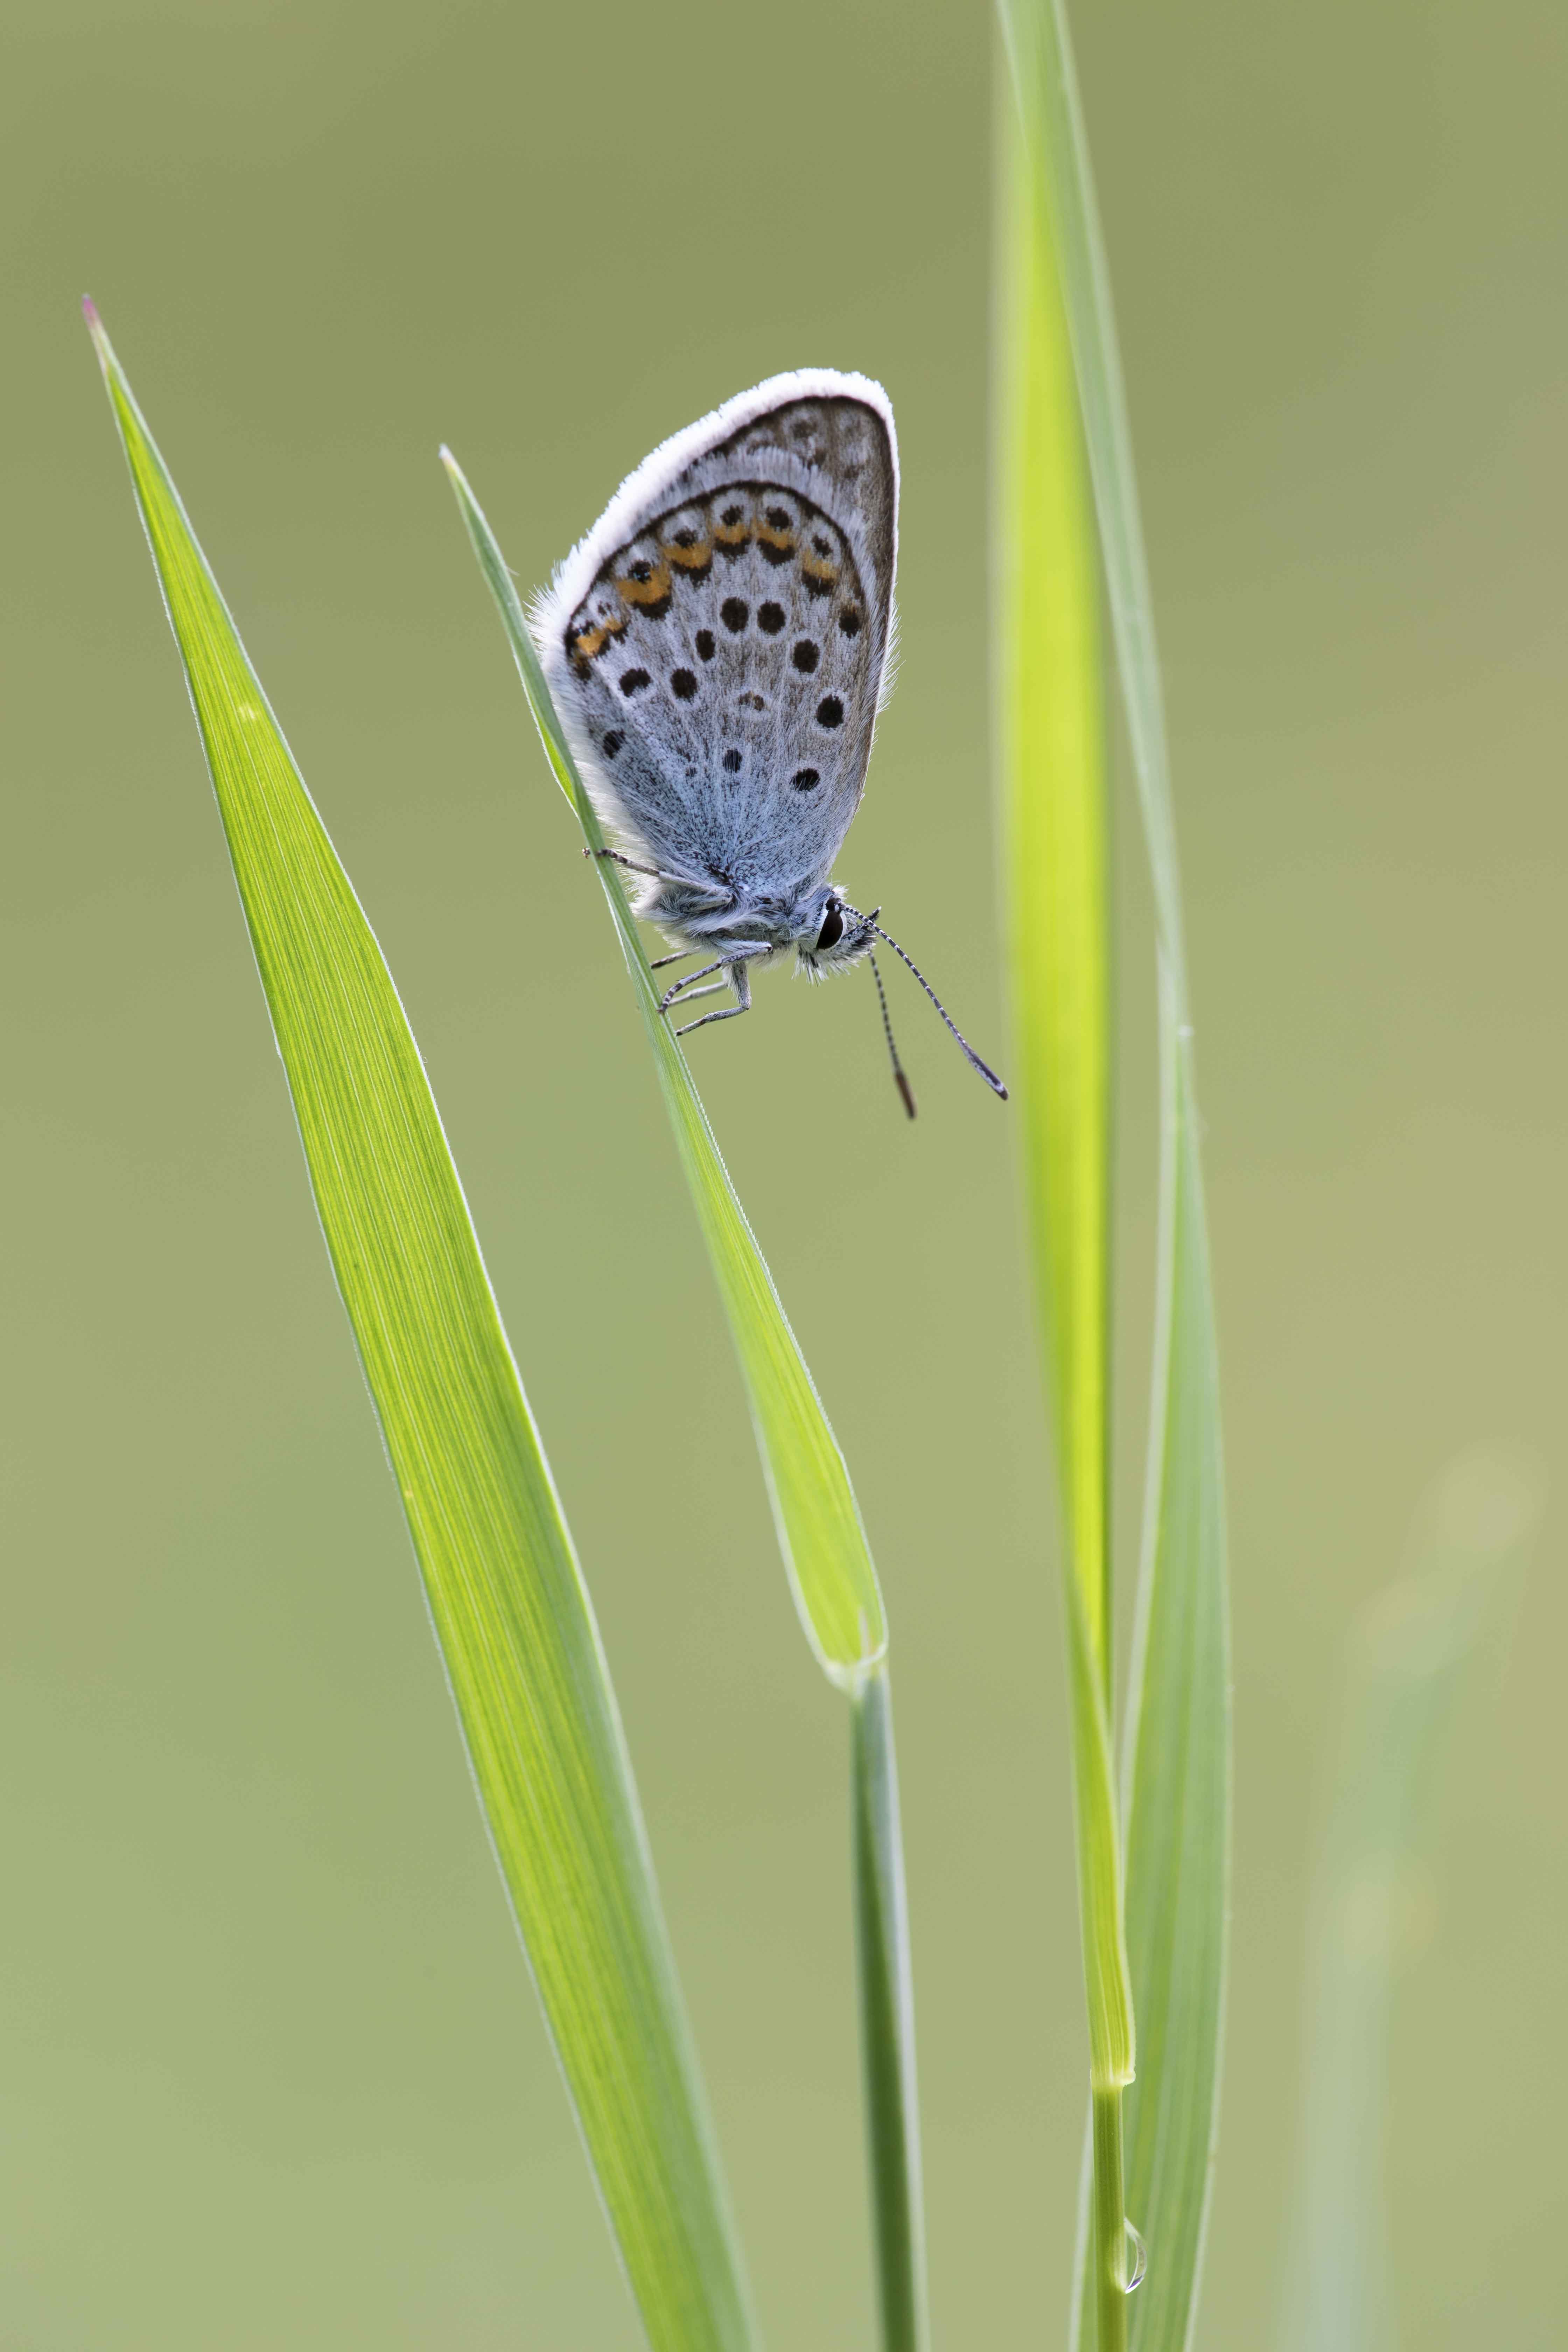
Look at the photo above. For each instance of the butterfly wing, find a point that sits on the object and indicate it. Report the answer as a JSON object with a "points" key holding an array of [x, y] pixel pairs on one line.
{"points": [[719, 644]]}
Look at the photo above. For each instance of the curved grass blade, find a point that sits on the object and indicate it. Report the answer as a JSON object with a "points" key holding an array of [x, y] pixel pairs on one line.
{"points": [[817, 1518], [1177, 1744], [506, 1595], [826, 1554]]}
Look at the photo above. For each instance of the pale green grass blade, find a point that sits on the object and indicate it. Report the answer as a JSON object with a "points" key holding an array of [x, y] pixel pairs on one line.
{"points": [[820, 1535], [509, 1608], [814, 1510], [1054, 859], [887, 2015], [1176, 1778], [1409, 1658]]}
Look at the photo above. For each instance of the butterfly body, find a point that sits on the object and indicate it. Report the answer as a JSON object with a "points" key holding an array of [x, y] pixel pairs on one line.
{"points": [[718, 648]]}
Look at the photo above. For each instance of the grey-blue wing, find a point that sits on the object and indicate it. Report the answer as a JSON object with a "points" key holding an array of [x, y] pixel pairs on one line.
{"points": [[721, 667]]}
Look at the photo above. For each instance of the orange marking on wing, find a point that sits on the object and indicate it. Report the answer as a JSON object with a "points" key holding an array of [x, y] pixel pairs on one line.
{"points": [[654, 589], [588, 644], [695, 558]]}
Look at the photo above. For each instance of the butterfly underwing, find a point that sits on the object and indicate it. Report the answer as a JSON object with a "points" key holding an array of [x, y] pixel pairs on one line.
{"points": [[718, 648]]}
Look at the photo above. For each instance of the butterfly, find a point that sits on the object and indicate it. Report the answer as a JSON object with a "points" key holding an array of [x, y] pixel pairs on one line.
{"points": [[718, 649]]}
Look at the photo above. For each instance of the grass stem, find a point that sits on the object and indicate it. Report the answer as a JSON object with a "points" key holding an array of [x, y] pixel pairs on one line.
{"points": [[1109, 2222], [887, 2021]]}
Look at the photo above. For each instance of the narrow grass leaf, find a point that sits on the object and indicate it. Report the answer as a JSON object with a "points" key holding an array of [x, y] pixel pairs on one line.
{"points": [[506, 1595], [1177, 1747], [1039, 52], [1409, 1658], [818, 1520], [888, 2016], [1055, 860], [820, 1535], [1176, 1781], [1053, 856]]}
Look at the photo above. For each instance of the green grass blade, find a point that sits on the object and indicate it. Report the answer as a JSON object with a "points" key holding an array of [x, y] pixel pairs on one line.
{"points": [[887, 2014], [1039, 52], [506, 1595], [1177, 1777], [814, 1511], [1055, 858], [1409, 1657], [822, 1542], [1056, 872]]}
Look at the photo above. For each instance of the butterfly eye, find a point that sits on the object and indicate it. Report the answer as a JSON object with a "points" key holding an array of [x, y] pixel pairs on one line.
{"points": [[832, 929]]}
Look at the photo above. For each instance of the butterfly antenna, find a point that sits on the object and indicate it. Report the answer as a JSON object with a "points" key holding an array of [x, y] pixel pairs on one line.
{"points": [[899, 1080], [965, 1048]]}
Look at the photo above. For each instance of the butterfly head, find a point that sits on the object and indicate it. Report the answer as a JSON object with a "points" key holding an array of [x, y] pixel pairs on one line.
{"points": [[833, 935]]}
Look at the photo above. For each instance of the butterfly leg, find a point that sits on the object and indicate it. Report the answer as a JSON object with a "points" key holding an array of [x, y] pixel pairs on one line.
{"points": [[630, 863], [657, 873], [740, 982], [714, 988], [730, 1013], [671, 993], [678, 957]]}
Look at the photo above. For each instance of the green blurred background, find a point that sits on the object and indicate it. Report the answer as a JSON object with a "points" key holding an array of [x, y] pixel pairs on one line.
{"points": [[272, 2067]]}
